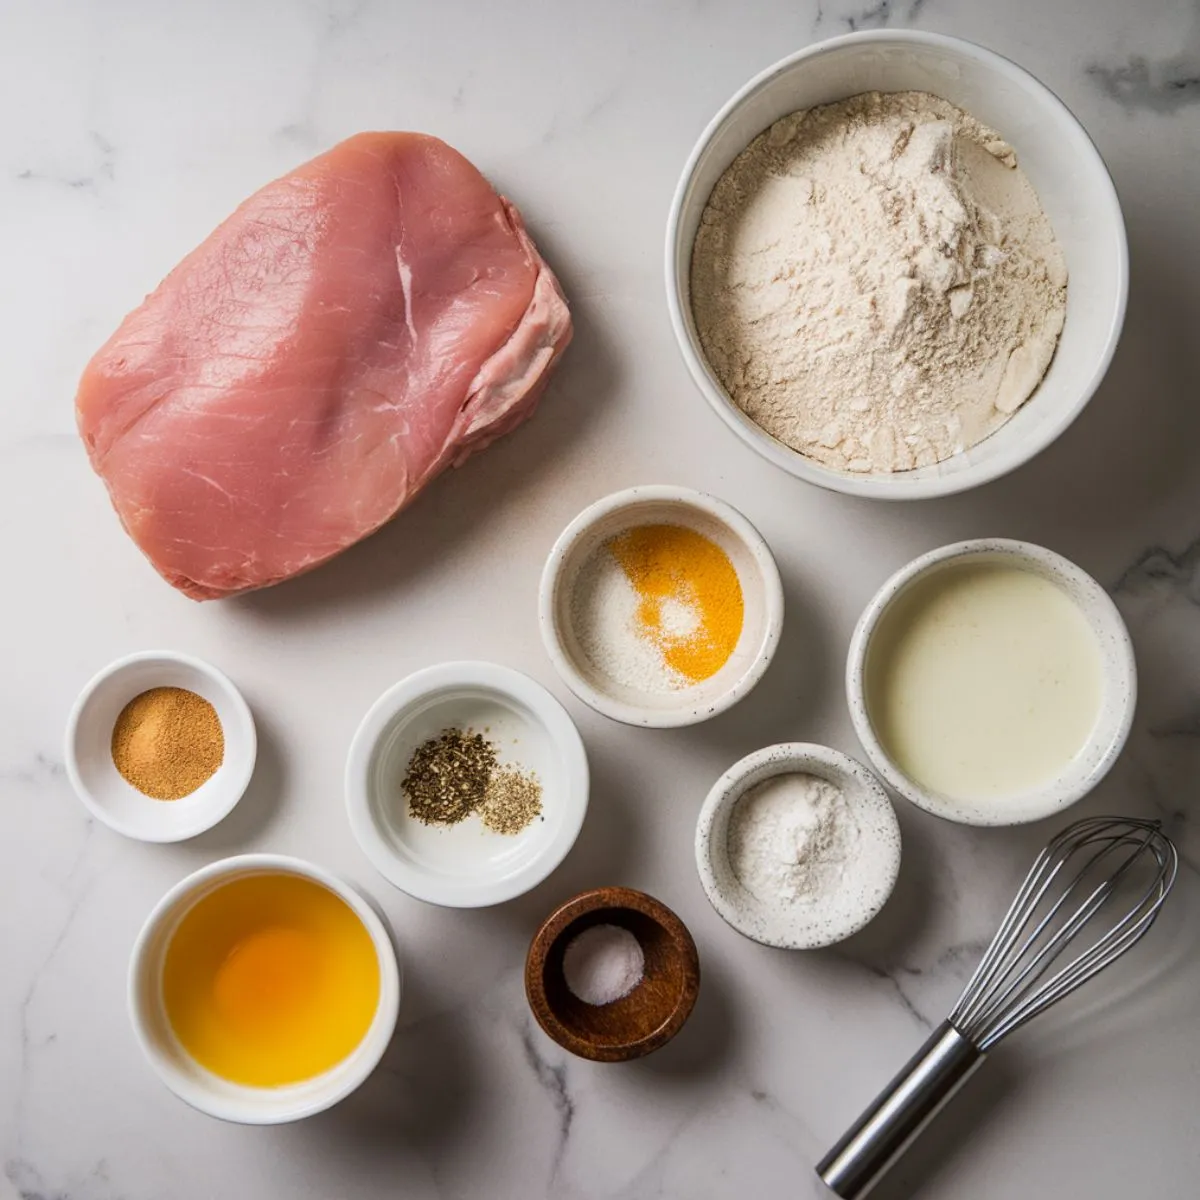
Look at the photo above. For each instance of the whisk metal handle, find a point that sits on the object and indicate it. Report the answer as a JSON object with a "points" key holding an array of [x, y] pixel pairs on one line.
{"points": [[853, 1167]]}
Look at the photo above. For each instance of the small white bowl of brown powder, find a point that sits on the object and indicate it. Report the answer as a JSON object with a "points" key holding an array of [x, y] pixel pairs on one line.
{"points": [[160, 746]]}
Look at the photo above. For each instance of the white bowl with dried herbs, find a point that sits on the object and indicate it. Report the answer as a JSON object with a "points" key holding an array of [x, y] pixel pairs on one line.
{"points": [[466, 784]]}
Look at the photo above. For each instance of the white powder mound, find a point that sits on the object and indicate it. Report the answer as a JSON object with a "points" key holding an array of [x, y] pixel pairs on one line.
{"points": [[876, 284], [679, 620], [792, 839]]}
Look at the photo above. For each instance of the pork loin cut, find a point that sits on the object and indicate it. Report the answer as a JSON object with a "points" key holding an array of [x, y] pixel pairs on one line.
{"points": [[348, 332]]}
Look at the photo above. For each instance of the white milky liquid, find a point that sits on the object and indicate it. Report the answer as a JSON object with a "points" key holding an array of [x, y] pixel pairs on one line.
{"points": [[983, 680]]}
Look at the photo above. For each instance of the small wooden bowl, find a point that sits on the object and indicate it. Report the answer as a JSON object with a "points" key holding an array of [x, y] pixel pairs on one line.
{"points": [[650, 1015]]}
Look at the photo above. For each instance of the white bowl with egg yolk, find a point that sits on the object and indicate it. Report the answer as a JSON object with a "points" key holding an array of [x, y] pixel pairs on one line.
{"points": [[936, 704], [216, 1096]]}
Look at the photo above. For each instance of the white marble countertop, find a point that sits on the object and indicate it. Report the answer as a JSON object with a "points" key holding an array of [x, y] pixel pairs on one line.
{"points": [[130, 128]]}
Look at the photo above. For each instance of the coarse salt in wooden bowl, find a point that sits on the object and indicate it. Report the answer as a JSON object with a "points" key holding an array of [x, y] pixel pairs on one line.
{"points": [[647, 1017]]}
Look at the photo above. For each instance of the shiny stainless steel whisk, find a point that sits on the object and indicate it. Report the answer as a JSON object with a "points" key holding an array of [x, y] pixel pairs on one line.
{"points": [[1101, 883]]}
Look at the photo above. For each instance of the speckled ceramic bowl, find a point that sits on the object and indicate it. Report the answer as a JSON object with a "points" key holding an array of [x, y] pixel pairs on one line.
{"points": [[1117, 706], [762, 595], [865, 886]]}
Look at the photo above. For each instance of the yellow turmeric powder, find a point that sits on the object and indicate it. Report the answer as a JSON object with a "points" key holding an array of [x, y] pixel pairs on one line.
{"points": [[690, 598]]}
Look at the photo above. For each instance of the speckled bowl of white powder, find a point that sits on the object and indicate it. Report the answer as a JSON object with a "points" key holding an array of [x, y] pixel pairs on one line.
{"points": [[588, 610], [797, 846], [870, 256]]}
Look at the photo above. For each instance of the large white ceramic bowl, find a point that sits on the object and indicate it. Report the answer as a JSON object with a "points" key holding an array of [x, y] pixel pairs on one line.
{"points": [[1053, 149], [1117, 705], [201, 1088], [465, 865]]}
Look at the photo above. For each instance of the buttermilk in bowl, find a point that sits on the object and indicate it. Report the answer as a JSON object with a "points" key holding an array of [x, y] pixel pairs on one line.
{"points": [[992, 682]]}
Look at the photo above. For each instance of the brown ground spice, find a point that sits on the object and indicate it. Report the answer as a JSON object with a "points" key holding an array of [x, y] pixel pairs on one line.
{"points": [[167, 742]]}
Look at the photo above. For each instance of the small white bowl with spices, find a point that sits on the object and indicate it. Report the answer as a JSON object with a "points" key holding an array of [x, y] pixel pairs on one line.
{"points": [[160, 746], [797, 846], [992, 682], [852, 308], [466, 784], [660, 606]]}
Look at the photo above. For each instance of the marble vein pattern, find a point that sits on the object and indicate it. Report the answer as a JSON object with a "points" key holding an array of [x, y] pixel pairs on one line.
{"points": [[1163, 84]]}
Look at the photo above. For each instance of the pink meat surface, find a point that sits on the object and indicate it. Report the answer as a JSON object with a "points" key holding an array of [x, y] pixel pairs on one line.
{"points": [[351, 330]]}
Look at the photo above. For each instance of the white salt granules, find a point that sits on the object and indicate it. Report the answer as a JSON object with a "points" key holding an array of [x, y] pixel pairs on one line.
{"points": [[603, 963], [604, 606]]}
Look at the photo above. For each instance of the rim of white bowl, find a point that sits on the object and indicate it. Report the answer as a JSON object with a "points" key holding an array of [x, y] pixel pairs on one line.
{"points": [[788, 757], [688, 712], [884, 487], [222, 802], [427, 886], [248, 1105], [1123, 684]]}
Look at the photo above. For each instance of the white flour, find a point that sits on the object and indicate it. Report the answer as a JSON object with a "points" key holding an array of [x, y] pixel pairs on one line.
{"points": [[792, 838], [876, 284]]}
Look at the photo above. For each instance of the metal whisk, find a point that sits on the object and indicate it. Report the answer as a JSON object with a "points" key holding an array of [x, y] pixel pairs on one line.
{"points": [[1099, 883]]}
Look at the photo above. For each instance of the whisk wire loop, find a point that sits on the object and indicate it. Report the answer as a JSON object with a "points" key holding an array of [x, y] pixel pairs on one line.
{"points": [[1013, 983], [1124, 934], [1037, 961]]}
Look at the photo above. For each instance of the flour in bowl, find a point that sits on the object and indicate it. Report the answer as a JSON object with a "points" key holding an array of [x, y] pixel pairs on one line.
{"points": [[876, 284], [793, 839]]}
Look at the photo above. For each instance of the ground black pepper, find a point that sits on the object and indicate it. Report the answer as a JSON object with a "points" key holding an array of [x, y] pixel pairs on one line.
{"points": [[448, 776]]}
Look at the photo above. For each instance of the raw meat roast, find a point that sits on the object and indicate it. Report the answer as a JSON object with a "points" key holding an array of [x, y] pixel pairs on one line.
{"points": [[351, 330]]}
